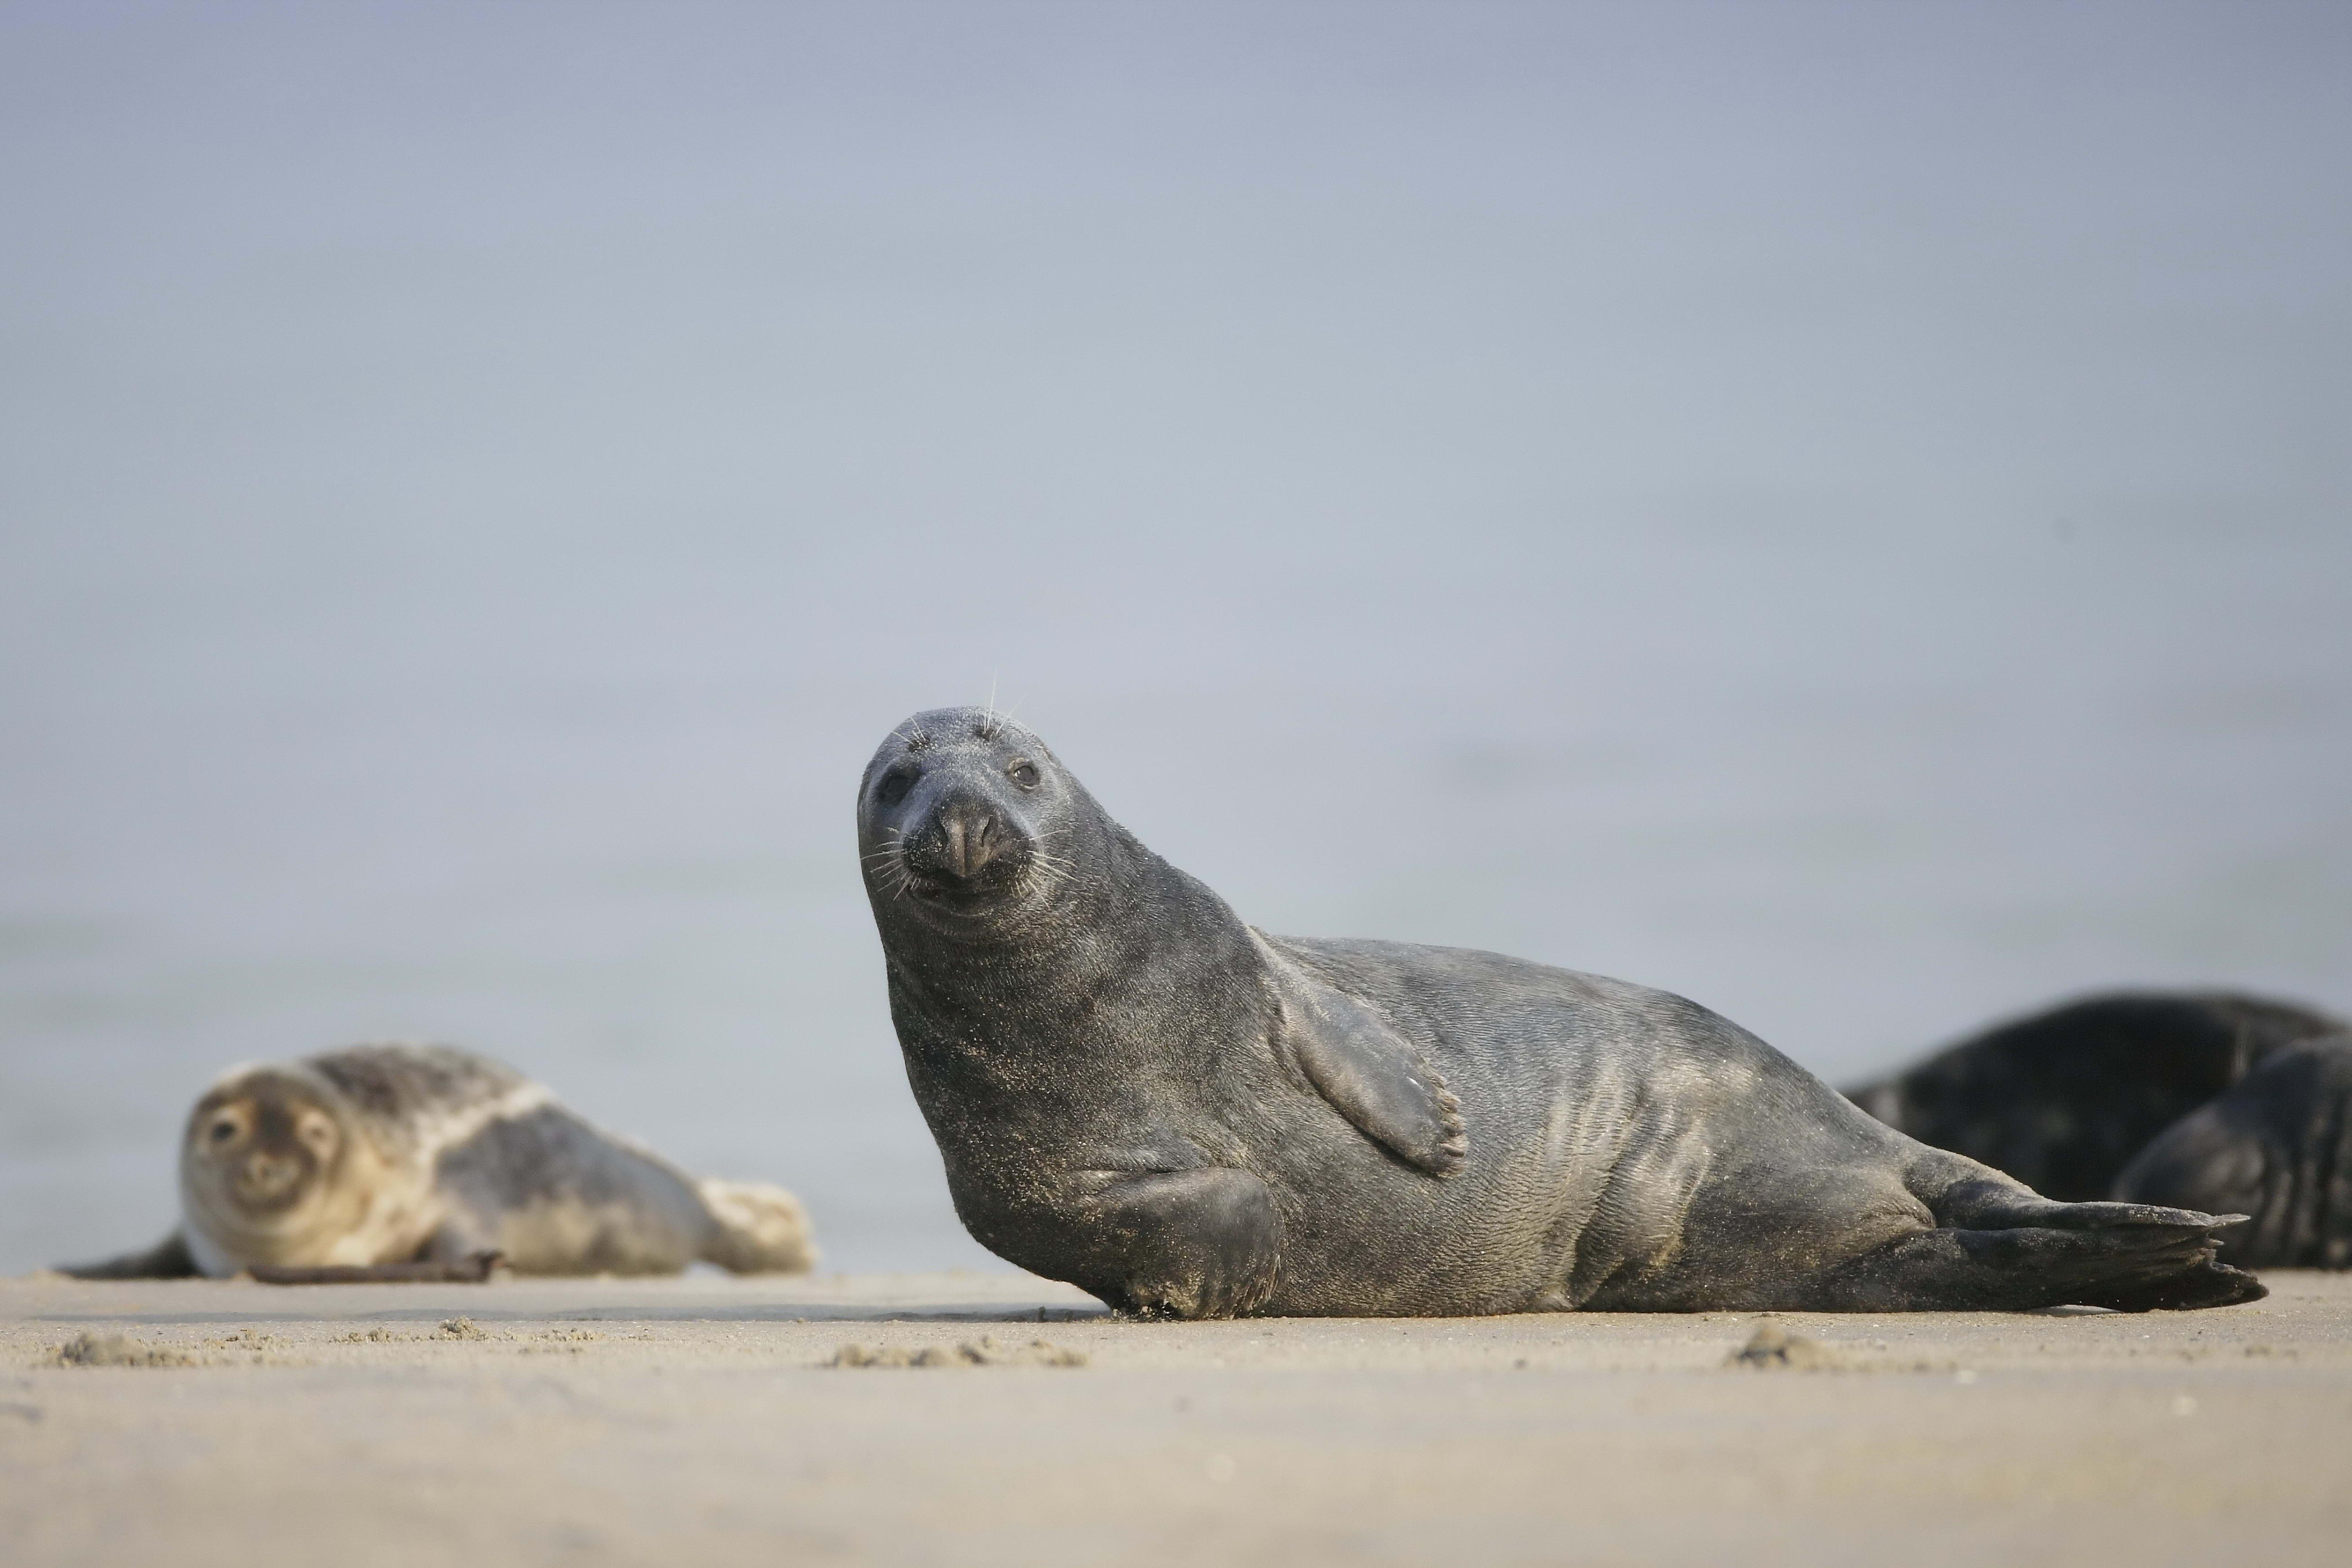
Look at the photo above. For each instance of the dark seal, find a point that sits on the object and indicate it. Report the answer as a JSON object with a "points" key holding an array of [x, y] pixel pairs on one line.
{"points": [[1135, 1091], [2064, 1099], [2278, 1148]]}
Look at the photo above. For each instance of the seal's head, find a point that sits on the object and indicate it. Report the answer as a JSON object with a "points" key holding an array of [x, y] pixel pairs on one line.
{"points": [[968, 823], [264, 1163]]}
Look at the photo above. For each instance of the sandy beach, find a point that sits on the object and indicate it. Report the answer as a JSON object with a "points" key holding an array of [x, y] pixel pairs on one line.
{"points": [[710, 1420]]}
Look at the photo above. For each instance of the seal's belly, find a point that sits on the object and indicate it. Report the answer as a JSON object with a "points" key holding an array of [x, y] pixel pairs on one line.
{"points": [[1564, 1191], [560, 1197]]}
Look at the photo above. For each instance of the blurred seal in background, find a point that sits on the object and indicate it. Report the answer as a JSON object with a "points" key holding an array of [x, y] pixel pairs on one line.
{"points": [[2064, 1099], [2187, 1099], [389, 1155], [2278, 1148]]}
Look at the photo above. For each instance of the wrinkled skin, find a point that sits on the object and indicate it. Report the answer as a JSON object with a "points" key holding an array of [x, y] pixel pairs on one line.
{"points": [[1134, 1091]]}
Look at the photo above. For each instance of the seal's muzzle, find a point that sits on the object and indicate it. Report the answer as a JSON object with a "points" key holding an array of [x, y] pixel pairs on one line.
{"points": [[959, 839]]}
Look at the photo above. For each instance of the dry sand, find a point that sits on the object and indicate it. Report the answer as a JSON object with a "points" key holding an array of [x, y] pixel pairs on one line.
{"points": [[698, 1421]]}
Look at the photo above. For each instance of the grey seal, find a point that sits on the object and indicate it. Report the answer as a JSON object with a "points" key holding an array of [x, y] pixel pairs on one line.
{"points": [[383, 1157], [1133, 1091], [2277, 1147], [2065, 1098]]}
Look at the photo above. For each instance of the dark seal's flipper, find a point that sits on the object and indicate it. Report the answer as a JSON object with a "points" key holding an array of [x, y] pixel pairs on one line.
{"points": [[1200, 1242], [1372, 1075], [2062, 1099], [1203, 1243], [167, 1260], [2279, 1148], [2001, 1246], [2133, 1266]]}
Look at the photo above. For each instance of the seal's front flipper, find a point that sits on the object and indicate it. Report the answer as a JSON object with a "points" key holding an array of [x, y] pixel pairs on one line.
{"points": [[167, 1260], [1370, 1073], [1201, 1243], [471, 1271]]}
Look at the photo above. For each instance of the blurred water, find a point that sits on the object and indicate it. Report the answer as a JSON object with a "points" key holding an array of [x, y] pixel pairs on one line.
{"points": [[1840, 512]]}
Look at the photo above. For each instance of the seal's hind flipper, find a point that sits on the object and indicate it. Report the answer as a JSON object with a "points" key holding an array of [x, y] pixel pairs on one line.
{"points": [[1371, 1074], [2133, 1257], [1995, 1202], [167, 1260], [2000, 1245], [756, 1228]]}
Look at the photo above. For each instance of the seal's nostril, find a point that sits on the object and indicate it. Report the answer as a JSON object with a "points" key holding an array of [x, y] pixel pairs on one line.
{"points": [[968, 837]]}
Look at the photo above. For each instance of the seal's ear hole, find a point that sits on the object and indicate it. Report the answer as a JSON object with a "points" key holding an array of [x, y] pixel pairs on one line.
{"points": [[1024, 773], [893, 787]]}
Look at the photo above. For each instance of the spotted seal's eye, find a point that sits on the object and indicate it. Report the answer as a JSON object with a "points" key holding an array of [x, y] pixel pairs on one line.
{"points": [[893, 788], [1023, 773], [319, 1133], [223, 1131]]}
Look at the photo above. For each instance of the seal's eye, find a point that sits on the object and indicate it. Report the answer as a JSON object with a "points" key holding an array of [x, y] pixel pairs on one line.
{"points": [[319, 1133], [1023, 773], [893, 788], [223, 1130]]}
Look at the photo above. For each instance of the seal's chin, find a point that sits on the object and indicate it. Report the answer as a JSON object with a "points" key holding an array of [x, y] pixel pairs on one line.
{"points": [[965, 895], [290, 1228], [273, 1189]]}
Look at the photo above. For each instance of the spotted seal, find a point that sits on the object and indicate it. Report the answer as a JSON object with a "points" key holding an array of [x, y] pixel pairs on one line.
{"points": [[380, 1155], [1133, 1091]]}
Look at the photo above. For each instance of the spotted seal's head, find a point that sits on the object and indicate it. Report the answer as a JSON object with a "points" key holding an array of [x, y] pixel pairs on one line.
{"points": [[969, 827], [267, 1165]]}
